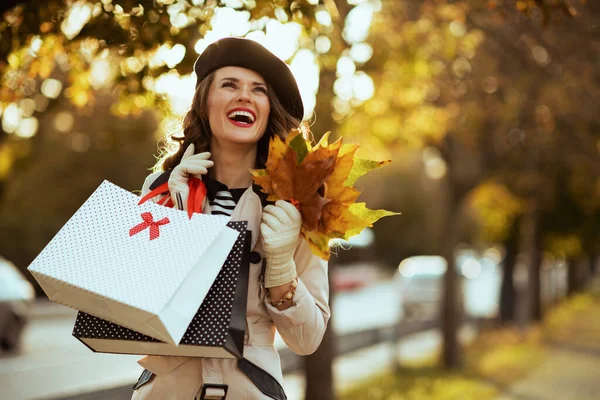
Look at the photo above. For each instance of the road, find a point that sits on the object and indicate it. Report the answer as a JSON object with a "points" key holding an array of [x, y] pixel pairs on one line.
{"points": [[53, 364]]}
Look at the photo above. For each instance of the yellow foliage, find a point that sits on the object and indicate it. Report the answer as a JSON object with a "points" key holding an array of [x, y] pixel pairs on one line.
{"points": [[7, 158], [421, 384], [576, 320], [415, 57], [495, 209], [567, 245], [505, 355]]}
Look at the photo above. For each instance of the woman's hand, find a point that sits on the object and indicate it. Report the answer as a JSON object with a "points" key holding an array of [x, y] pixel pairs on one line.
{"points": [[191, 164], [280, 230]]}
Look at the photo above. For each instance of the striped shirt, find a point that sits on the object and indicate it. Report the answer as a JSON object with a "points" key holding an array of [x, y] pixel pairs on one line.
{"points": [[222, 203], [221, 199]]}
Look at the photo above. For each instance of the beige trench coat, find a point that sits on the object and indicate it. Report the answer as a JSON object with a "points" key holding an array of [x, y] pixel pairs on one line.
{"points": [[301, 326]]}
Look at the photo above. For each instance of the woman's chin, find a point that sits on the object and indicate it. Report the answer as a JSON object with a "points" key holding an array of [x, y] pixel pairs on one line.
{"points": [[241, 138], [239, 135]]}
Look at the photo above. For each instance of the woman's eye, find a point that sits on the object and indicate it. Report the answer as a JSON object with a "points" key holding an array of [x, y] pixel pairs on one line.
{"points": [[261, 89], [228, 84]]}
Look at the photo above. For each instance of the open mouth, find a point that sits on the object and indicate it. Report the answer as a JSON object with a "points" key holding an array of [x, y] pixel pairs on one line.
{"points": [[241, 118]]}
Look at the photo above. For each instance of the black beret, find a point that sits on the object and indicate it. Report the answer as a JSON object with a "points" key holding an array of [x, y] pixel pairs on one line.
{"points": [[246, 53]]}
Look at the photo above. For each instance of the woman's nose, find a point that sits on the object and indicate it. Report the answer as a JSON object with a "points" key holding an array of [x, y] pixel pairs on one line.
{"points": [[244, 94]]}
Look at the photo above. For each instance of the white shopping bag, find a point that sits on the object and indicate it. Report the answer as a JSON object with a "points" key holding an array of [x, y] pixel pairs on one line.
{"points": [[145, 267]]}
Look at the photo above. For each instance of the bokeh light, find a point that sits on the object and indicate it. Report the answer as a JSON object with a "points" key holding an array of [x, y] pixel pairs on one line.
{"points": [[361, 52], [489, 84], [323, 17], [11, 118], [358, 23], [27, 128], [540, 55], [345, 67], [306, 71], [27, 107], [363, 87], [80, 142], [63, 121], [322, 44], [102, 73], [51, 88], [435, 166], [78, 15]]}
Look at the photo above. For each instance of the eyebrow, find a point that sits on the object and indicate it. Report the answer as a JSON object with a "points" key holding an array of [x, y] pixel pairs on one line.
{"points": [[237, 80]]}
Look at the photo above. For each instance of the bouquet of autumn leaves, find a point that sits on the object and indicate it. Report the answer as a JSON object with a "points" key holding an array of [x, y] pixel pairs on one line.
{"points": [[319, 181]]}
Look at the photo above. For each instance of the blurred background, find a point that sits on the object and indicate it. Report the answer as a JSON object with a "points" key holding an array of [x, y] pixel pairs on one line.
{"points": [[485, 287]]}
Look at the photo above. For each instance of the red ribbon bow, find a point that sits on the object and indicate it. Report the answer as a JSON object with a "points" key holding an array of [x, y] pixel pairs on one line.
{"points": [[149, 222]]}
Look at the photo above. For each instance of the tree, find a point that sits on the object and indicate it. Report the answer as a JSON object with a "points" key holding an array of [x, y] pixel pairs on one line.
{"points": [[440, 83], [121, 47]]}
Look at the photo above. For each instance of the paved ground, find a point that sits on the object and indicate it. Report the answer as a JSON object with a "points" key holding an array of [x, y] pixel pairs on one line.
{"points": [[571, 369], [568, 373]]}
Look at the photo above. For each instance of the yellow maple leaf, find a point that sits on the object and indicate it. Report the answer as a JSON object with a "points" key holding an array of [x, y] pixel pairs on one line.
{"points": [[319, 182]]}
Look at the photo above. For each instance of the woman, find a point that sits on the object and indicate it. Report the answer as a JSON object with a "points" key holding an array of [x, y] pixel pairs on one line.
{"points": [[244, 96]]}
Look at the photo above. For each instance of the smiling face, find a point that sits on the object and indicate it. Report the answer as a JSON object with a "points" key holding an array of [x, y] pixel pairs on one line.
{"points": [[238, 106]]}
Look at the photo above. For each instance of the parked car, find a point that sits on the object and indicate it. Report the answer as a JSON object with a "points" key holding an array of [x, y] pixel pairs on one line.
{"points": [[355, 276], [16, 297], [421, 285]]}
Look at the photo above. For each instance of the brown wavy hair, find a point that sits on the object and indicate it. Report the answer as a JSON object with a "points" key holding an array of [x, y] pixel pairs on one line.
{"points": [[196, 129]]}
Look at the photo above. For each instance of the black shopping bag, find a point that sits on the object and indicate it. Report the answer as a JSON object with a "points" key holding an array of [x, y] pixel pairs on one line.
{"points": [[217, 329]]}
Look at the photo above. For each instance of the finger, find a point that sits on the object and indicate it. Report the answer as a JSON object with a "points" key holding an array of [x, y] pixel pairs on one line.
{"points": [[271, 221], [192, 166], [189, 151], [202, 156], [279, 213], [191, 163], [205, 163], [289, 208], [196, 170], [265, 230], [198, 161]]}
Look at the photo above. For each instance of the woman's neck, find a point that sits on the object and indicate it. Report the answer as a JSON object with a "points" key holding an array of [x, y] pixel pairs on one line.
{"points": [[232, 165]]}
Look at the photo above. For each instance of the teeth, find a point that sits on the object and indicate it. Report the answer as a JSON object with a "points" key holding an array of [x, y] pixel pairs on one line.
{"points": [[233, 114]]}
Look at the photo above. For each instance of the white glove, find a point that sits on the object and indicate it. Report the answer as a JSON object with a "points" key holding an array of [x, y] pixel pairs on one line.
{"points": [[191, 164], [280, 230]]}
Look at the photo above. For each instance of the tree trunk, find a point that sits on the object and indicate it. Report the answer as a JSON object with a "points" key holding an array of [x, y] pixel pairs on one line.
{"points": [[535, 263], [507, 291], [573, 281], [593, 263], [318, 367], [450, 314]]}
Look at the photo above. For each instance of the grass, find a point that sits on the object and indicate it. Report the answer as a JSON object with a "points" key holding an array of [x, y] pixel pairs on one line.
{"points": [[505, 355], [576, 321], [424, 383]]}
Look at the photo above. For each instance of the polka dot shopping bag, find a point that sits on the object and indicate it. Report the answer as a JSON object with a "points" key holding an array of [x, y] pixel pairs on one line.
{"points": [[217, 330], [145, 267]]}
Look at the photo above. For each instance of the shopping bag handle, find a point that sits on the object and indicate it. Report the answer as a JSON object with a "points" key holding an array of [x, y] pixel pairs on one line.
{"points": [[195, 198]]}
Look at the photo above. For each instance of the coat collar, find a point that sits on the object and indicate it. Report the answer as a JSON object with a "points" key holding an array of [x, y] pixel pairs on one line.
{"points": [[249, 208]]}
